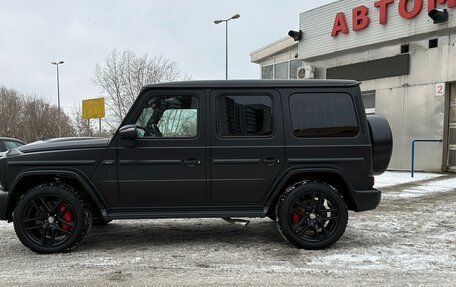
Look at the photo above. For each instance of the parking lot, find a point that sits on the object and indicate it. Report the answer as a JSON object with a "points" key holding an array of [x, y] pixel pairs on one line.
{"points": [[410, 239]]}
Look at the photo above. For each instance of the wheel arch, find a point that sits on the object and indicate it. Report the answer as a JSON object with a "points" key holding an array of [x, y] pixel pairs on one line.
{"points": [[28, 179], [334, 177]]}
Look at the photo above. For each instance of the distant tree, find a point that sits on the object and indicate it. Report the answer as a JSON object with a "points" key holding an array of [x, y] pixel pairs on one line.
{"points": [[30, 118], [123, 74], [82, 128], [11, 111]]}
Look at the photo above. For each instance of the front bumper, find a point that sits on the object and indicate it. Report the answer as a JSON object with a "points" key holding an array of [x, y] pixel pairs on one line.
{"points": [[366, 199]]}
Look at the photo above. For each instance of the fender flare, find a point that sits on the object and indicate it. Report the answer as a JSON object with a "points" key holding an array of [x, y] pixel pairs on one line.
{"points": [[89, 187], [280, 184]]}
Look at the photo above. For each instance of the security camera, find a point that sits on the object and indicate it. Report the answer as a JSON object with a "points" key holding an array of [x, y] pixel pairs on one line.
{"points": [[439, 15], [296, 35]]}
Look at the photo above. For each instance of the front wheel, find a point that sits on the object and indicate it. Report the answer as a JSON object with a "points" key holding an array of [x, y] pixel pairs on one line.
{"points": [[311, 215], [51, 218]]}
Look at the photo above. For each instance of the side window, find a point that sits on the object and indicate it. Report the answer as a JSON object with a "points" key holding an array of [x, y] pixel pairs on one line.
{"points": [[323, 115], [244, 116], [169, 117], [12, 144]]}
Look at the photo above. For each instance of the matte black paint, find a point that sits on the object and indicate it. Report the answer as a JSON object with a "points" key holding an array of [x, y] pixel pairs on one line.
{"points": [[208, 175]]}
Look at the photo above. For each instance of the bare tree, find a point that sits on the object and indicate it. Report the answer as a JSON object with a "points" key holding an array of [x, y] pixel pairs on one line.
{"points": [[11, 105], [123, 74], [29, 118]]}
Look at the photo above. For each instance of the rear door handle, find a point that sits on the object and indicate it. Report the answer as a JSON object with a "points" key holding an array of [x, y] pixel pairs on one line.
{"points": [[271, 161], [191, 162]]}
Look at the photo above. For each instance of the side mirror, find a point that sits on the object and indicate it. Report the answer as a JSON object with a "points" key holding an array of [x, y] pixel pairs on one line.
{"points": [[129, 132]]}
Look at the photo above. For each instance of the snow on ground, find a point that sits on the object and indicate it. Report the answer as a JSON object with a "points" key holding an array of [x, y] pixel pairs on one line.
{"points": [[409, 240], [391, 178], [435, 186]]}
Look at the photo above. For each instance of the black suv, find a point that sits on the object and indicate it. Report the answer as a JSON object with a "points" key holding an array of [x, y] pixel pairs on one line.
{"points": [[300, 152]]}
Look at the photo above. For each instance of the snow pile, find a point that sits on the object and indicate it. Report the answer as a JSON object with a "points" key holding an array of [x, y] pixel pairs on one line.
{"points": [[435, 186], [392, 178]]}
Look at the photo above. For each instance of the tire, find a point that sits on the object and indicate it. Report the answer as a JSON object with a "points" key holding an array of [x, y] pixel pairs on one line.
{"points": [[311, 215], [99, 221], [51, 218]]}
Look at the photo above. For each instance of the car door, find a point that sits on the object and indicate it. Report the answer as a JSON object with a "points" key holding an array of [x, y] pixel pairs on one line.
{"points": [[247, 145], [166, 164]]}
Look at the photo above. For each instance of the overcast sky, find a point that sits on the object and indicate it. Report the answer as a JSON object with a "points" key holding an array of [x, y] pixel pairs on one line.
{"points": [[81, 33]]}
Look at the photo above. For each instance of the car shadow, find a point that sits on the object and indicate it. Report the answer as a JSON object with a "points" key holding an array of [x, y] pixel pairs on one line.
{"points": [[152, 233]]}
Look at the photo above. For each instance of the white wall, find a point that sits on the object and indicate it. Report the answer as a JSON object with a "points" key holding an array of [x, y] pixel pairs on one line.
{"points": [[317, 25]]}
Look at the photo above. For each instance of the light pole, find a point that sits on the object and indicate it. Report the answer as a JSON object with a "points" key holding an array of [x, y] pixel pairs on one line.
{"points": [[236, 16], [58, 96]]}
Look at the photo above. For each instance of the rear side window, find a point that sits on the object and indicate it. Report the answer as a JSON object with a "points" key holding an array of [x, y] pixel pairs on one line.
{"points": [[244, 116], [323, 115]]}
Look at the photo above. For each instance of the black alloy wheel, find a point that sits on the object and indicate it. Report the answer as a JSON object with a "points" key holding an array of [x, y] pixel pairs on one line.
{"points": [[51, 219], [312, 215]]}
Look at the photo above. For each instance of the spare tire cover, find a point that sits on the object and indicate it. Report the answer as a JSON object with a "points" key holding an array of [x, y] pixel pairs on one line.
{"points": [[382, 142]]}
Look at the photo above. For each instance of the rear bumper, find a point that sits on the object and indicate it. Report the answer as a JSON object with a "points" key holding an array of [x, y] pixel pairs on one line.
{"points": [[366, 199], [3, 203]]}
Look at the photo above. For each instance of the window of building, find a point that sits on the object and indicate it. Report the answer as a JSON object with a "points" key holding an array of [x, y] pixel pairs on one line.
{"points": [[244, 116], [323, 115], [405, 49], [281, 71], [267, 72], [294, 65], [369, 102], [169, 117], [433, 43]]}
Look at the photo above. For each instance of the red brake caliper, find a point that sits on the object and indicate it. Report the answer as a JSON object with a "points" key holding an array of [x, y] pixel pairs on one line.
{"points": [[295, 218], [67, 216]]}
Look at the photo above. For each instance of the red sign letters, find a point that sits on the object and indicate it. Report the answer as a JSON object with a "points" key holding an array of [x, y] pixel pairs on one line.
{"points": [[407, 9]]}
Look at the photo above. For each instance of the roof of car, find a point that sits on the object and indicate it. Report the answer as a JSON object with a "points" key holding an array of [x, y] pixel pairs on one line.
{"points": [[255, 84]]}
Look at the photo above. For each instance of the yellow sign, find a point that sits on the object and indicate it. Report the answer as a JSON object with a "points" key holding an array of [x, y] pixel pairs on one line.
{"points": [[93, 108]]}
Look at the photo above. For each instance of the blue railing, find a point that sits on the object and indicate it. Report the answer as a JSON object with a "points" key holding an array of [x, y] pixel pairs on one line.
{"points": [[413, 151]]}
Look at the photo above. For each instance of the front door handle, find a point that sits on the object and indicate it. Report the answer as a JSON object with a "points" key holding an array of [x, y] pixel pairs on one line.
{"points": [[191, 162], [271, 161]]}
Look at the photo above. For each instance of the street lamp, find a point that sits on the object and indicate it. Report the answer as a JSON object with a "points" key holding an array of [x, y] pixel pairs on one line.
{"points": [[58, 96], [236, 16]]}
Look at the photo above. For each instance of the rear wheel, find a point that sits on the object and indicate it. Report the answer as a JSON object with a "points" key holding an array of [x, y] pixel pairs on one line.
{"points": [[311, 215], [51, 219]]}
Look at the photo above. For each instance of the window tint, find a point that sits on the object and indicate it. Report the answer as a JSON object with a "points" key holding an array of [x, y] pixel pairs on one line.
{"points": [[12, 144], [169, 116], [244, 116], [323, 115]]}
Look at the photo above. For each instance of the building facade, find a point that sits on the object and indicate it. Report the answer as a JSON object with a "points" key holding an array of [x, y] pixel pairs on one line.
{"points": [[405, 61]]}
